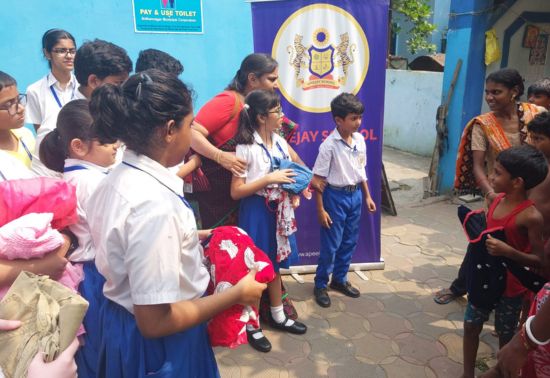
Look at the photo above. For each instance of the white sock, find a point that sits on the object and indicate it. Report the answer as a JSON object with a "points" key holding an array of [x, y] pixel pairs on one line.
{"points": [[279, 316], [256, 335]]}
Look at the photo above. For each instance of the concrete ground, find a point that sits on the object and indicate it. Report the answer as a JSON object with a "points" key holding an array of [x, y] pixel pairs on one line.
{"points": [[394, 329]]}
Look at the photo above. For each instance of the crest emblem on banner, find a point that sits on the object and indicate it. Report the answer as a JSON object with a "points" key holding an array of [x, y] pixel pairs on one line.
{"points": [[331, 58]]}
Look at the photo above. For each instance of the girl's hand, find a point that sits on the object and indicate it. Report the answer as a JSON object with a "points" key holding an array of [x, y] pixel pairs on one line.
{"points": [[232, 163], [281, 176], [9, 325], [196, 159], [371, 206], [318, 183], [307, 193], [53, 264], [249, 290], [295, 201], [62, 367]]}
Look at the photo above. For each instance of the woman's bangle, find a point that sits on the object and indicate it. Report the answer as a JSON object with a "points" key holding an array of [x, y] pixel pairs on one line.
{"points": [[526, 342], [530, 334]]}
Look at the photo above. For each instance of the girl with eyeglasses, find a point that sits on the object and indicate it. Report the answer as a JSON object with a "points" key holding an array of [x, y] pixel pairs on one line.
{"points": [[47, 96], [14, 138]]}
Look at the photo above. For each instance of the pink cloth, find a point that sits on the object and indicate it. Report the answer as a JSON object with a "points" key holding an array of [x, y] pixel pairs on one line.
{"points": [[31, 236], [231, 254], [38, 195]]}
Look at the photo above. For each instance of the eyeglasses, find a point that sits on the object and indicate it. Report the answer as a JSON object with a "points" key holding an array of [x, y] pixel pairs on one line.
{"points": [[12, 106], [63, 51], [278, 111]]}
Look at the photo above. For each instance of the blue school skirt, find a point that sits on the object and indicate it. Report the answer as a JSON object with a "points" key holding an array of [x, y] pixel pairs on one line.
{"points": [[91, 288], [125, 353], [258, 219]]}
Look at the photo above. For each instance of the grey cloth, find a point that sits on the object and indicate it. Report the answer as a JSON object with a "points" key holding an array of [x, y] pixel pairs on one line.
{"points": [[50, 314]]}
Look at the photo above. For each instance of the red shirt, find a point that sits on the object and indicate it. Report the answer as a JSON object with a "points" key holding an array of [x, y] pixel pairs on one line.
{"points": [[514, 237], [220, 116]]}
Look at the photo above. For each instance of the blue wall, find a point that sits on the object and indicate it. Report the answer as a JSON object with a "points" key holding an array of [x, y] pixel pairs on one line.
{"points": [[210, 59]]}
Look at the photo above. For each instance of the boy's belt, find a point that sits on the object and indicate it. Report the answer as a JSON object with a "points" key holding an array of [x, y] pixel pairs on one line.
{"points": [[347, 188]]}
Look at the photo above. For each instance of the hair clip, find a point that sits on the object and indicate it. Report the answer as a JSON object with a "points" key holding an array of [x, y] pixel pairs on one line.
{"points": [[246, 106]]}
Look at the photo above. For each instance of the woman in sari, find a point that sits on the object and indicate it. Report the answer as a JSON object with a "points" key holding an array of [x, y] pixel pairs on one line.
{"points": [[483, 138]]}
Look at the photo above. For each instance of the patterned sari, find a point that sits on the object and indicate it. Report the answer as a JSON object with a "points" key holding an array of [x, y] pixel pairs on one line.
{"points": [[465, 181]]}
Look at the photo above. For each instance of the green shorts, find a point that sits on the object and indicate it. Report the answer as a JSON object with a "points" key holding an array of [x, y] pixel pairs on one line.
{"points": [[507, 312]]}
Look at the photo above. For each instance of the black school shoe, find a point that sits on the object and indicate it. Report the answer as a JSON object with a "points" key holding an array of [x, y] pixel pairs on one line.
{"points": [[321, 297], [262, 344], [296, 328], [345, 288]]}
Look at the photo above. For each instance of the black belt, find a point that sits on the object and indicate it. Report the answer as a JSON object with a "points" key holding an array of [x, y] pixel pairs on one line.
{"points": [[347, 188]]}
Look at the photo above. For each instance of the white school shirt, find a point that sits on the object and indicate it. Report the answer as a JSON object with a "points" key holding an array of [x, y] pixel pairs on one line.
{"points": [[12, 168], [258, 161], [145, 237], [42, 107], [340, 163], [85, 176]]}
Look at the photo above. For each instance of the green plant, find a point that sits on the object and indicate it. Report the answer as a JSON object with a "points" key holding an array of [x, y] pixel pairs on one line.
{"points": [[417, 12]]}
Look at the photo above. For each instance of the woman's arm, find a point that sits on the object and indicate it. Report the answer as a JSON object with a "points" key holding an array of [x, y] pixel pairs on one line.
{"points": [[165, 319], [480, 176], [227, 160], [192, 164]]}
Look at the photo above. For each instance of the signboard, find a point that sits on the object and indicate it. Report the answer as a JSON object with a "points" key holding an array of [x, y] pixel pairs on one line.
{"points": [[168, 16], [324, 49]]}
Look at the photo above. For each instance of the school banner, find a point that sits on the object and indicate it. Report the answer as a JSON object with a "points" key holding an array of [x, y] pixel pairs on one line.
{"points": [[323, 49]]}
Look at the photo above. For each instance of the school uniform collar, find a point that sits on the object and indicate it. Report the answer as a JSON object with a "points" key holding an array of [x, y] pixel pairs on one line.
{"points": [[258, 139], [86, 164], [153, 168], [52, 80]]}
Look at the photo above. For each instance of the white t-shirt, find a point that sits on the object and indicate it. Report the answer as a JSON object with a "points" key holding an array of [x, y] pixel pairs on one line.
{"points": [[258, 160], [146, 240], [342, 164], [85, 176], [45, 98]]}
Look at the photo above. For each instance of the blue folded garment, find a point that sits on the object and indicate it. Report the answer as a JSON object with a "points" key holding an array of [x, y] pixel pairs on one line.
{"points": [[302, 178]]}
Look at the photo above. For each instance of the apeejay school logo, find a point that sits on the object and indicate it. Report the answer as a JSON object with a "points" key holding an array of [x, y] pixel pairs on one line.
{"points": [[325, 52]]}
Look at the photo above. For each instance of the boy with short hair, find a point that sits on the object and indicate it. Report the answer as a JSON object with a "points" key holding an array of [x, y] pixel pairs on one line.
{"points": [[539, 93], [341, 161], [100, 62], [517, 170], [153, 58]]}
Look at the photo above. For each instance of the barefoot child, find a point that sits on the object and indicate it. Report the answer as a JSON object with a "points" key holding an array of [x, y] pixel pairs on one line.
{"points": [[516, 170]]}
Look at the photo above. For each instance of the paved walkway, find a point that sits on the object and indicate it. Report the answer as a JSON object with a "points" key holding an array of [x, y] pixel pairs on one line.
{"points": [[394, 329]]}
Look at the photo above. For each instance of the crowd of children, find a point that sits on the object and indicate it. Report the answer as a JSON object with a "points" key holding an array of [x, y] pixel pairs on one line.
{"points": [[108, 133]]}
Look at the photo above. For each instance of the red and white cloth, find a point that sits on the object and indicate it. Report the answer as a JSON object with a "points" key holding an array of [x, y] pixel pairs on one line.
{"points": [[231, 254]]}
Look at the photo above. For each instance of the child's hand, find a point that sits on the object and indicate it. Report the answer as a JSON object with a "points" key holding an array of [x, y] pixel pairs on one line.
{"points": [[295, 201], [318, 183], [281, 176], [249, 289], [196, 159], [324, 219], [496, 247], [63, 366], [307, 193], [371, 206]]}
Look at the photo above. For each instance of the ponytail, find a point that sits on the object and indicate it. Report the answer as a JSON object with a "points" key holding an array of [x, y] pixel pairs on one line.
{"points": [[257, 103], [52, 153], [133, 112], [109, 109], [257, 64]]}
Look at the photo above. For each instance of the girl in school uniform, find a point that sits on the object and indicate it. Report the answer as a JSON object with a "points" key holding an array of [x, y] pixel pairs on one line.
{"points": [[47, 96], [73, 149], [146, 240], [265, 209]]}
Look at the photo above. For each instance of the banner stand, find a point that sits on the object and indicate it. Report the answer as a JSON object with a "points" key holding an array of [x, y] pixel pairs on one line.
{"points": [[309, 269]]}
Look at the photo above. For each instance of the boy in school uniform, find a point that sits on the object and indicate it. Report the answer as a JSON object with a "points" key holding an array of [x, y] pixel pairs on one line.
{"points": [[517, 170], [341, 162]]}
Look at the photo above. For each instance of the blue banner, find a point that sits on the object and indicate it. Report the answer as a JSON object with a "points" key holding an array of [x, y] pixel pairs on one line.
{"points": [[324, 49], [168, 16]]}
